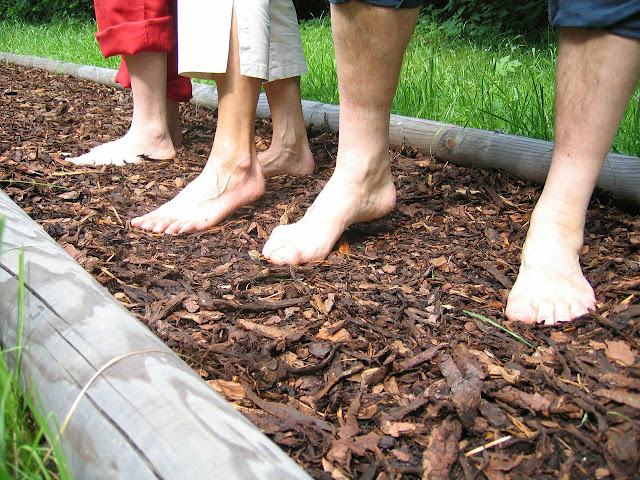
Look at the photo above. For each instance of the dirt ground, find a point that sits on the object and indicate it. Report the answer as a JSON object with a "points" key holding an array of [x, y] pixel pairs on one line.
{"points": [[365, 365]]}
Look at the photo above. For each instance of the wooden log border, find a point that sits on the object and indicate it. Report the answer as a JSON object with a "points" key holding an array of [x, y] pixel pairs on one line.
{"points": [[146, 415], [526, 158]]}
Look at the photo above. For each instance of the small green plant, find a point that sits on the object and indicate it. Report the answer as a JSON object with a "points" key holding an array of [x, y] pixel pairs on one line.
{"points": [[496, 324], [585, 417], [506, 65]]}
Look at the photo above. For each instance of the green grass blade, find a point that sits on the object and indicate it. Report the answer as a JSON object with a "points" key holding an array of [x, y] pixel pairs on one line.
{"points": [[20, 311], [29, 182], [496, 324]]}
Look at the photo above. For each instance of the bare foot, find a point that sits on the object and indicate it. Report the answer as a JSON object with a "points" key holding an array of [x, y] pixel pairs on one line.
{"points": [[550, 287], [348, 197], [290, 156], [141, 141], [221, 188], [132, 148]]}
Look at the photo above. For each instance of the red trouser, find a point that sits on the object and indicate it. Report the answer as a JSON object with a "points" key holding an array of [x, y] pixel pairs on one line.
{"points": [[126, 27]]}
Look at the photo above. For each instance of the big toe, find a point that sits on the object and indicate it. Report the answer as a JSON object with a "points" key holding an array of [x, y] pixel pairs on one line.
{"points": [[152, 223], [280, 253], [85, 159], [519, 312]]}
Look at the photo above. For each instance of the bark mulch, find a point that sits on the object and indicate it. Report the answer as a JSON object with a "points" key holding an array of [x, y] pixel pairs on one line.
{"points": [[365, 365]]}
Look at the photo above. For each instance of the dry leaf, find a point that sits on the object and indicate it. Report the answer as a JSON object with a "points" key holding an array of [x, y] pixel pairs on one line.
{"points": [[442, 450], [255, 255], [318, 304], [335, 472], [329, 302], [265, 330], [343, 246], [401, 456], [438, 262], [341, 335], [396, 429], [231, 391], [191, 304], [398, 346], [560, 337], [371, 376], [620, 351], [620, 395], [391, 386]]}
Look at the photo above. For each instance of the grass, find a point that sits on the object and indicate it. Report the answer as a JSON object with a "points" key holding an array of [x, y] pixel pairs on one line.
{"points": [[485, 82], [24, 451], [497, 325], [454, 72]]}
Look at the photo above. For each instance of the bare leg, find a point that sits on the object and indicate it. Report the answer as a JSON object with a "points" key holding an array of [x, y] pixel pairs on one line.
{"points": [[150, 134], [596, 74], [232, 176], [173, 119], [367, 39], [289, 152]]}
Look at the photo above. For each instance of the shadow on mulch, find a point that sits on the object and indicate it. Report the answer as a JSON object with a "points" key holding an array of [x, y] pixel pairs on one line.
{"points": [[364, 365]]}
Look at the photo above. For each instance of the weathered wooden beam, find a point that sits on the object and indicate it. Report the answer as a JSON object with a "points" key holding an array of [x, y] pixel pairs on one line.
{"points": [[146, 415], [526, 158], [523, 157]]}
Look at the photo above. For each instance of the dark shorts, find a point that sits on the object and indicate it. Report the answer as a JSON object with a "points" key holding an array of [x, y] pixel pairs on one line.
{"points": [[617, 16], [387, 3]]}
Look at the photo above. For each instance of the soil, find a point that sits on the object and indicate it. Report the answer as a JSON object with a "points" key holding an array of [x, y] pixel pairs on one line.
{"points": [[366, 365]]}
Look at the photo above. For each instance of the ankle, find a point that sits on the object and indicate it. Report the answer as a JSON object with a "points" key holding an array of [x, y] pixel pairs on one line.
{"points": [[549, 233], [288, 140], [153, 131], [564, 212], [229, 158]]}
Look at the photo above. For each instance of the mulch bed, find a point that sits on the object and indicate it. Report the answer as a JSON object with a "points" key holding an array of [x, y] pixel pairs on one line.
{"points": [[364, 365]]}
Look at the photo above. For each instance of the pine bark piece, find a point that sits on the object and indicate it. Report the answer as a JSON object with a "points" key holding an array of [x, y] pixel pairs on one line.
{"points": [[464, 381], [442, 450]]}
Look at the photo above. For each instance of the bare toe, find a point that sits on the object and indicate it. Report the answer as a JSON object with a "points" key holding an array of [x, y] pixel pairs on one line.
{"points": [[221, 188], [545, 312]]}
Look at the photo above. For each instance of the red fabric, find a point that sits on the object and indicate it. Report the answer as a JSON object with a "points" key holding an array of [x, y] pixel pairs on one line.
{"points": [[133, 26]]}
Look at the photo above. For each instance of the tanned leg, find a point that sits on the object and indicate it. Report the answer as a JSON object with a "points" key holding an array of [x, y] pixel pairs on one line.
{"points": [[597, 73], [289, 152], [372, 39], [150, 134], [232, 176]]}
